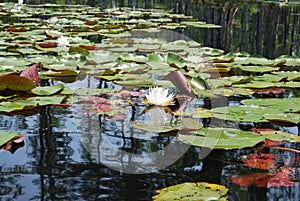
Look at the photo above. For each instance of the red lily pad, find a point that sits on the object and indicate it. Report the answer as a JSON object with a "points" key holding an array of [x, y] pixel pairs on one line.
{"points": [[89, 47], [100, 108], [262, 161], [95, 100], [280, 178], [90, 22], [131, 93], [32, 73], [14, 29], [270, 91], [47, 45]]}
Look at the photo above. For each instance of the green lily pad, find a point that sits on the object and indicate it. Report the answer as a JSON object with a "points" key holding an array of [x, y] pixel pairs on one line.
{"points": [[175, 46], [272, 78], [16, 83], [244, 113], [48, 90], [291, 75], [200, 24], [202, 113], [239, 79], [67, 91], [139, 83], [92, 91], [253, 60], [225, 58], [280, 136], [47, 100], [8, 136], [256, 85], [102, 57], [258, 69], [290, 84], [159, 127], [226, 91], [284, 104], [222, 138], [129, 67], [289, 60], [62, 73], [134, 58], [198, 85], [285, 119], [192, 191], [211, 51], [17, 106], [170, 58]]}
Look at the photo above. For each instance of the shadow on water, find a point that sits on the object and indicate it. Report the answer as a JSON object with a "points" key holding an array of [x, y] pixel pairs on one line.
{"points": [[53, 164]]}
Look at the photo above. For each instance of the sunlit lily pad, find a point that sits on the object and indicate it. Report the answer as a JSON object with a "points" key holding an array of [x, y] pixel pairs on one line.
{"points": [[285, 119], [92, 91], [284, 104], [176, 45], [134, 58], [62, 73], [200, 24], [202, 113], [99, 57], [7, 136], [198, 84], [140, 83], [258, 69], [291, 75], [230, 91], [17, 106], [256, 85], [47, 100], [227, 58], [160, 127], [222, 138], [244, 113], [272, 77], [280, 136], [169, 58], [253, 60], [238, 79], [48, 90], [192, 191]]}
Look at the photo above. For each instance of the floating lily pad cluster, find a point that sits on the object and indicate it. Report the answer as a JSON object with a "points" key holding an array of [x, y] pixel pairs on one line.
{"points": [[111, 45], [123, 47]]}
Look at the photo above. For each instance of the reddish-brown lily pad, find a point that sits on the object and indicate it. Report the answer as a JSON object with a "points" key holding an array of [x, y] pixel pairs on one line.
{"points": [[89, 47], [16, 83], [47, 45], [14, 29], [32, 73]]}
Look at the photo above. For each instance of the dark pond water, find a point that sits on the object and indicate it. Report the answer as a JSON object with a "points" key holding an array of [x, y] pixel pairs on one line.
{"points": [[54, 164]]}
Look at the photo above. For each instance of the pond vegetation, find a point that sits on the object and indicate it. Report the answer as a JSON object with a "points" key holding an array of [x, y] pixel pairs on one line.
{"points": [[143, 98]]}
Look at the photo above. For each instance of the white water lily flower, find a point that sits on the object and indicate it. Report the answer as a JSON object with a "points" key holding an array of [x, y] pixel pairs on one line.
{"points": [[63, 41], [194, 59], [20, 2], [53, 19], [159, 96]]}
